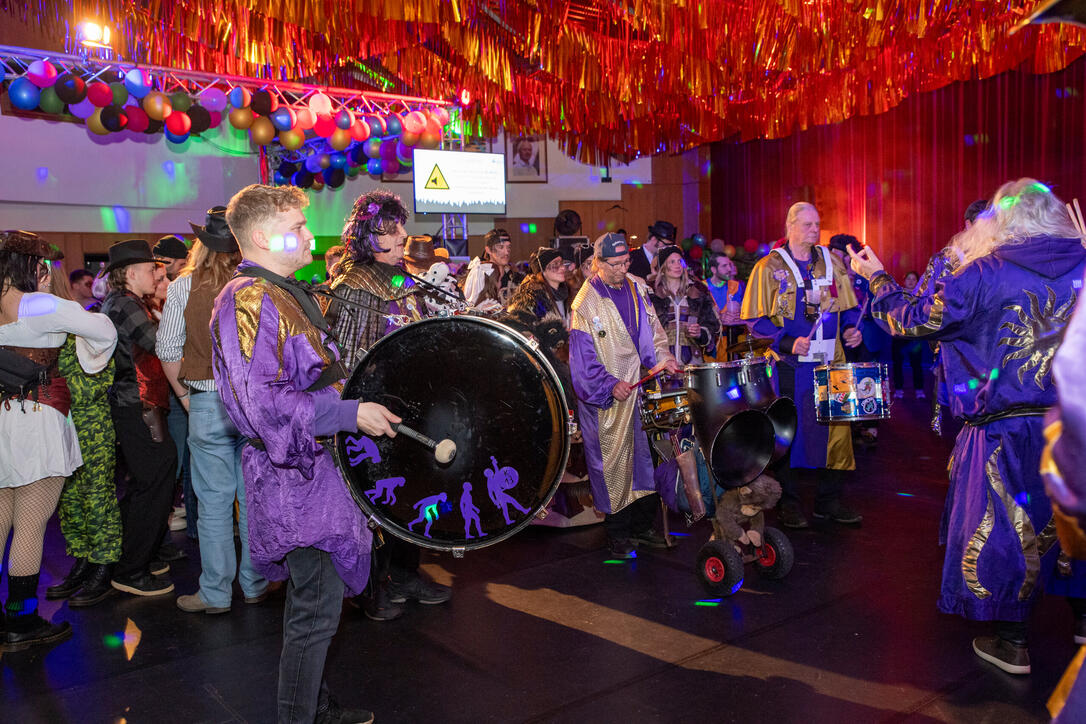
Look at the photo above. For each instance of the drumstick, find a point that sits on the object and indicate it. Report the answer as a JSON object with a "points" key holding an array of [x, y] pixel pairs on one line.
{"points": [[444, 451], [1075, 213], [652, 373], [1078, 213]]}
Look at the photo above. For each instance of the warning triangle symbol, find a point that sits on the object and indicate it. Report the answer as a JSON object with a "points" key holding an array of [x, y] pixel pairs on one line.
{"points": [[436, 180]]}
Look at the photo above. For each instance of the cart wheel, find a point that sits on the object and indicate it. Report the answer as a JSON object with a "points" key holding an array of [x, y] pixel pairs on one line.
{"points": [[720, 568], [775, 558]]}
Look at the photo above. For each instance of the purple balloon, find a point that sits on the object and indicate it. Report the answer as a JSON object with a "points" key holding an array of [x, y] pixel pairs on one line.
{"points": [[388, 151], [213, 99], [390, 166], [83, 109]]}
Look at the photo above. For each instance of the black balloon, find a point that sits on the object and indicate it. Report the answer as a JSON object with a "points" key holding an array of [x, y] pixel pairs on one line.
{"points": [[154, 126], [303, 179], [288, 169], [358, 155], [334, 177], [264, 103], [113, 118], [70, 88], [200, 117]]}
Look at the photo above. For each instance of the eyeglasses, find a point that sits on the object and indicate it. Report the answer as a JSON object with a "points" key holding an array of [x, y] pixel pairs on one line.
{"points": [[619, 265]]}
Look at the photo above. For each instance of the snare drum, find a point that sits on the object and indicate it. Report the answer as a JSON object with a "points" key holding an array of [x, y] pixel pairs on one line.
{"points": [[847, 392], [663, 404], [487, 388]]}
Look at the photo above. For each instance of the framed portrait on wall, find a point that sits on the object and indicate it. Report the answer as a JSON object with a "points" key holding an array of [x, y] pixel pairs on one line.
{"points": [[525, 159]]}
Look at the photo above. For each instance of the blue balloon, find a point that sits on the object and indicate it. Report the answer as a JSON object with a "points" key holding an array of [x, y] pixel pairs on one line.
{"points": [[394, 124], [176, 139], [282, 120], [313, 163], [24, 94], [339, 160], [138, 82], [373, 167], [280, 179]]}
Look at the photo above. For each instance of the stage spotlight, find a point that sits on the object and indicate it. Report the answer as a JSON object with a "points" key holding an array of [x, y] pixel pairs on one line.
{"points": [[93, 35]]}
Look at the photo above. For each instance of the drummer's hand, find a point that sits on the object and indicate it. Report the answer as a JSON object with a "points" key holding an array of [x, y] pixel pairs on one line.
{"points": [[853, 337], [865, 262], [374, 419], [673, 366], [801, 346], [622, 391]]}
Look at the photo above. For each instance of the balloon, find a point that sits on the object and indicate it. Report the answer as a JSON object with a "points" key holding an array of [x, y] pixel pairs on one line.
{"points": [[178, 123], [24, 94], [335, 177], [344, 119], [49, 102], [241, 118], [353, 171], [339, 160], [157, 106], [750, 246], [686, 243], [100, 94], [394, 124], [264, 103], [340, 139], [377, 125], [358, 154], [404, 154], [373, 167], [138, 82], [729, 251], [94, 122], [153, 126], [113, 118], [372, 147], [42, 73], [200, 117], [313, 163], [696, 252], [318, 182], [390, 166], [284, 118], [279, 178], [324, 160], [83, 109], [291, 140], [306, 119], [240, 97], [120, 93], [324, 126], [388, 150], [429, 140], [698, 239], [216, 118], [181, 101], [303, 179], [409, 139], [763, 249], [262, 131], [213, 99], [320, 104], [137, 119], [70, 88], [441, 115], [414, 123], [287, 168], [176, 139], [360, 130]]}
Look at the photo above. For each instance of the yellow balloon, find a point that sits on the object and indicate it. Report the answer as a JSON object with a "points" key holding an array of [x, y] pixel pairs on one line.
{"points": [[157, 106], [94, 123], [262, 131], [241, 118], [291, 140], [340, 139]]}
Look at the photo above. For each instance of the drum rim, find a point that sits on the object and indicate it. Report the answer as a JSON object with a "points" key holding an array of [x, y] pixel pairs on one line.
{"points": [[850, 365], [372, 516], [729, 364]]}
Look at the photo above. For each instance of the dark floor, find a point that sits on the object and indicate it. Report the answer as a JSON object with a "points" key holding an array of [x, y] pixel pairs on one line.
{"points": [[542, 629]]}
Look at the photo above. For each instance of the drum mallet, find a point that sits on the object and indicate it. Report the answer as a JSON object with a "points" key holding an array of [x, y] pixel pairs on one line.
{"points": [[444, 451], [652, 373]]}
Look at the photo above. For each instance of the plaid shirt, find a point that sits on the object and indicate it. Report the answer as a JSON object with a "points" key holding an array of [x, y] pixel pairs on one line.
{"points": [[136, 332]]}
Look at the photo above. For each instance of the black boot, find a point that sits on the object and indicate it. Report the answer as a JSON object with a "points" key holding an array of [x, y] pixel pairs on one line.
{"points": [[25, 627], [96, 588], [71, 582]]}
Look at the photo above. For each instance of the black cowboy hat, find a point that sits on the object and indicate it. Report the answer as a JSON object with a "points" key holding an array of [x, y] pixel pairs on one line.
{"points": [[663, 230], [216, 234], [130, 251], [171, 246]]}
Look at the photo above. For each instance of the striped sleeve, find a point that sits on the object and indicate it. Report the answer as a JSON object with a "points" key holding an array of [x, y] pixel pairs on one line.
{"points": [[170, 341]]}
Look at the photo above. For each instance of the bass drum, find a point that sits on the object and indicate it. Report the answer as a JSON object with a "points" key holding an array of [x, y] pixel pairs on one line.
{"points": [[482, 385]]}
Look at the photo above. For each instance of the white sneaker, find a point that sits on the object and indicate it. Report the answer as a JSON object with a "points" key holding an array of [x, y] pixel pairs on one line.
{"points": [[899, 394], [920, 395]]}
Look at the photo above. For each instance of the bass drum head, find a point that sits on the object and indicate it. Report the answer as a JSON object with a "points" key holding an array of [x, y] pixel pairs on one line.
{"points": [[483, 386]]}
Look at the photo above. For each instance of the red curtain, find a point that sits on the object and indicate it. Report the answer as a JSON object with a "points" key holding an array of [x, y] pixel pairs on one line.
{"points": [[901, 181]]}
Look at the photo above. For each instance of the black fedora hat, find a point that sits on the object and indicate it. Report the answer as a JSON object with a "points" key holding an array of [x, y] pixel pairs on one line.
{"points": [[171, 246], [216, 234], [663, 230], [130, 251]]}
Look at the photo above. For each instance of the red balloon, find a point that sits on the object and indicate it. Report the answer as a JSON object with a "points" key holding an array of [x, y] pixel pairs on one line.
{"points": [[138, 120], [325, 126], [360, 131], [178, 123], [750, 245], [100, 94], [306, 119], [216, 119], [414, 123]]}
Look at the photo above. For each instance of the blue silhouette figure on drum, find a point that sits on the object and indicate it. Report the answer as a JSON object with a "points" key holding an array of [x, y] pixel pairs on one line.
{"points": [[498, 481], [360, 449], [470, 512], [386, 487], [428, 511]]}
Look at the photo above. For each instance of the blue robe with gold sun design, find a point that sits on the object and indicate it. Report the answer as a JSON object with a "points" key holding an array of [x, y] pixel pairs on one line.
{"points": [[999, 321]]}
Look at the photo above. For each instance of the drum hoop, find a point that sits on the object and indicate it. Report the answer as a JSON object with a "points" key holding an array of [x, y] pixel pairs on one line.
{"points": [[727, 365], [375, 518], [850, 365]]}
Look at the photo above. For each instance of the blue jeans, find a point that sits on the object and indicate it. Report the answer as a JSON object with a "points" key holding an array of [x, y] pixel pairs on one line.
{"points": [[310, 619], [177, 420], [215, 448]]}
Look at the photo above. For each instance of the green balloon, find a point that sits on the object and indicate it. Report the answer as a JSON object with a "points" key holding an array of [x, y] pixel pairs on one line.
{"points": [[120, 93], [49, 102], [181, 101]]}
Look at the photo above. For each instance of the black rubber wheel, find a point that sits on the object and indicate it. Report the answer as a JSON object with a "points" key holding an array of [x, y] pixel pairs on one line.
{"points": [[720, 568], [775, 558]]}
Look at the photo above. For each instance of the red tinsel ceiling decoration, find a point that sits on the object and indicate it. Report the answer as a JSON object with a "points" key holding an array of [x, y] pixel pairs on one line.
{"points": [[606, 78]]}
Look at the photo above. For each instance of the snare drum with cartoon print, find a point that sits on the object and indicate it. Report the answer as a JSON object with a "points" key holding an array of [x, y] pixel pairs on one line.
{"points": [[847, 392]]}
